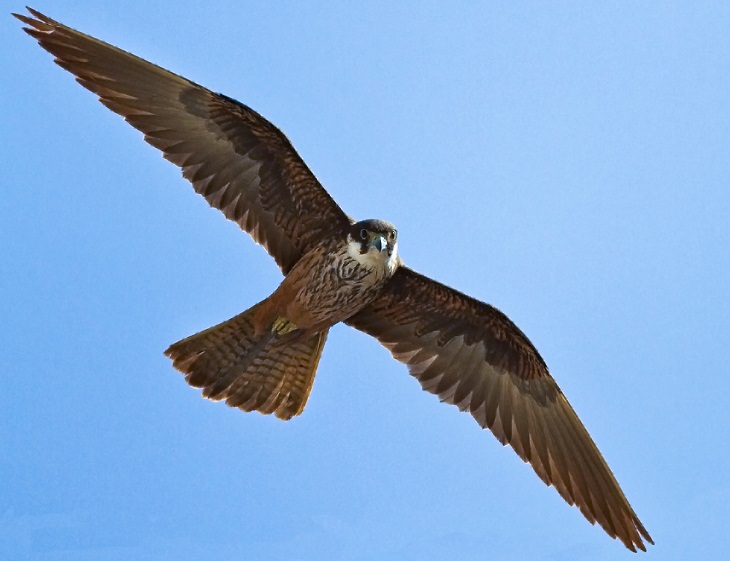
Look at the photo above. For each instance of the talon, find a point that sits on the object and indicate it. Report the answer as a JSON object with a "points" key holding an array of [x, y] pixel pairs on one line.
{"points": [[282, 326]]}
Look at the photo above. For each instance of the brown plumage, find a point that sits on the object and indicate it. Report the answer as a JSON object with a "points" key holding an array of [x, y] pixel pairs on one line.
{"points": [[465, 351], [249, 371]]}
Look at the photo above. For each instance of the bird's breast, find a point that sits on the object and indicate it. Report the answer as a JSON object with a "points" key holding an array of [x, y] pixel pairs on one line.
{"points": [[337, 287]]}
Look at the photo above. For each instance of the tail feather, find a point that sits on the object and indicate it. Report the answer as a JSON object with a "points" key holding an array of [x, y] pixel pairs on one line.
{"points": [[268, 374]]}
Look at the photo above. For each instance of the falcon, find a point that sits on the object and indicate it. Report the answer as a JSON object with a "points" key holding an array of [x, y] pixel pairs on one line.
{"points": [[336, 270]]}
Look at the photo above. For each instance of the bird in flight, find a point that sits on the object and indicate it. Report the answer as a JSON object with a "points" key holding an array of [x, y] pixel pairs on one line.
{"points": [[335, 270]]}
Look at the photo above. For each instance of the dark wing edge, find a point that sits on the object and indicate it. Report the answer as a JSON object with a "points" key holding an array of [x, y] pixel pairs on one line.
{"points": [[472, 356], [240, 162]]}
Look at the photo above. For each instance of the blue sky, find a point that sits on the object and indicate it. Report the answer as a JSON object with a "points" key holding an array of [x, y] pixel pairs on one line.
{"points": [[565, 163]]}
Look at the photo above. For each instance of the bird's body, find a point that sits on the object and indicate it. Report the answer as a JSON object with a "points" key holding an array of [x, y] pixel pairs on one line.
{"points": [[336, 270], [332, 282], [240, 361]]}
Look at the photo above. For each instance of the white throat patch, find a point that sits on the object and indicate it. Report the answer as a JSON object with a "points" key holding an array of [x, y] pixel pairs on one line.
{"points": [[373, 259]]}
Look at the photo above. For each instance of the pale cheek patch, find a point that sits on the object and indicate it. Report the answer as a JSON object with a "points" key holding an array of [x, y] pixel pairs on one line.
{"points": [[370, 259], [393, 259]]}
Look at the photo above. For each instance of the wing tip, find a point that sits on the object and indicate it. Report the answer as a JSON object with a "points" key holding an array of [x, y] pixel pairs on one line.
{"points": [[38, 21], [39, 25]]}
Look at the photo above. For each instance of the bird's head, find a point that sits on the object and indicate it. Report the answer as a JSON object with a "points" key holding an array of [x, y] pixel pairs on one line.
{"points": [[374, 243]]}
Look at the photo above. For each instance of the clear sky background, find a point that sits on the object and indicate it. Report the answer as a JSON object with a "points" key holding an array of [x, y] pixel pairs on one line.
{"points": [[568, 163]]}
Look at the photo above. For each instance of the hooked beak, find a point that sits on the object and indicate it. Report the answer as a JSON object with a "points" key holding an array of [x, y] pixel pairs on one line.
{"points": [[380, 243]]}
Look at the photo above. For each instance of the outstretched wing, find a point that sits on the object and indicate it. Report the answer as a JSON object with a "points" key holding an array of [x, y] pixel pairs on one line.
{"points": [[241, 163], [471, 355]]}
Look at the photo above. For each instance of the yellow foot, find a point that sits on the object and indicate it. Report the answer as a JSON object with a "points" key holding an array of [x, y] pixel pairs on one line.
{"points": [[282, 326]]}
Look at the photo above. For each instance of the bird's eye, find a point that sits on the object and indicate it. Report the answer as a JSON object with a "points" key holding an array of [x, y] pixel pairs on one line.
{"points": [[363, 234], [393, 234]]}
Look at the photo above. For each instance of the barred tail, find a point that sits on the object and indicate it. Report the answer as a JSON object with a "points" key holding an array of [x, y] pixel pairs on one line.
{"points": [[268, 374]]}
